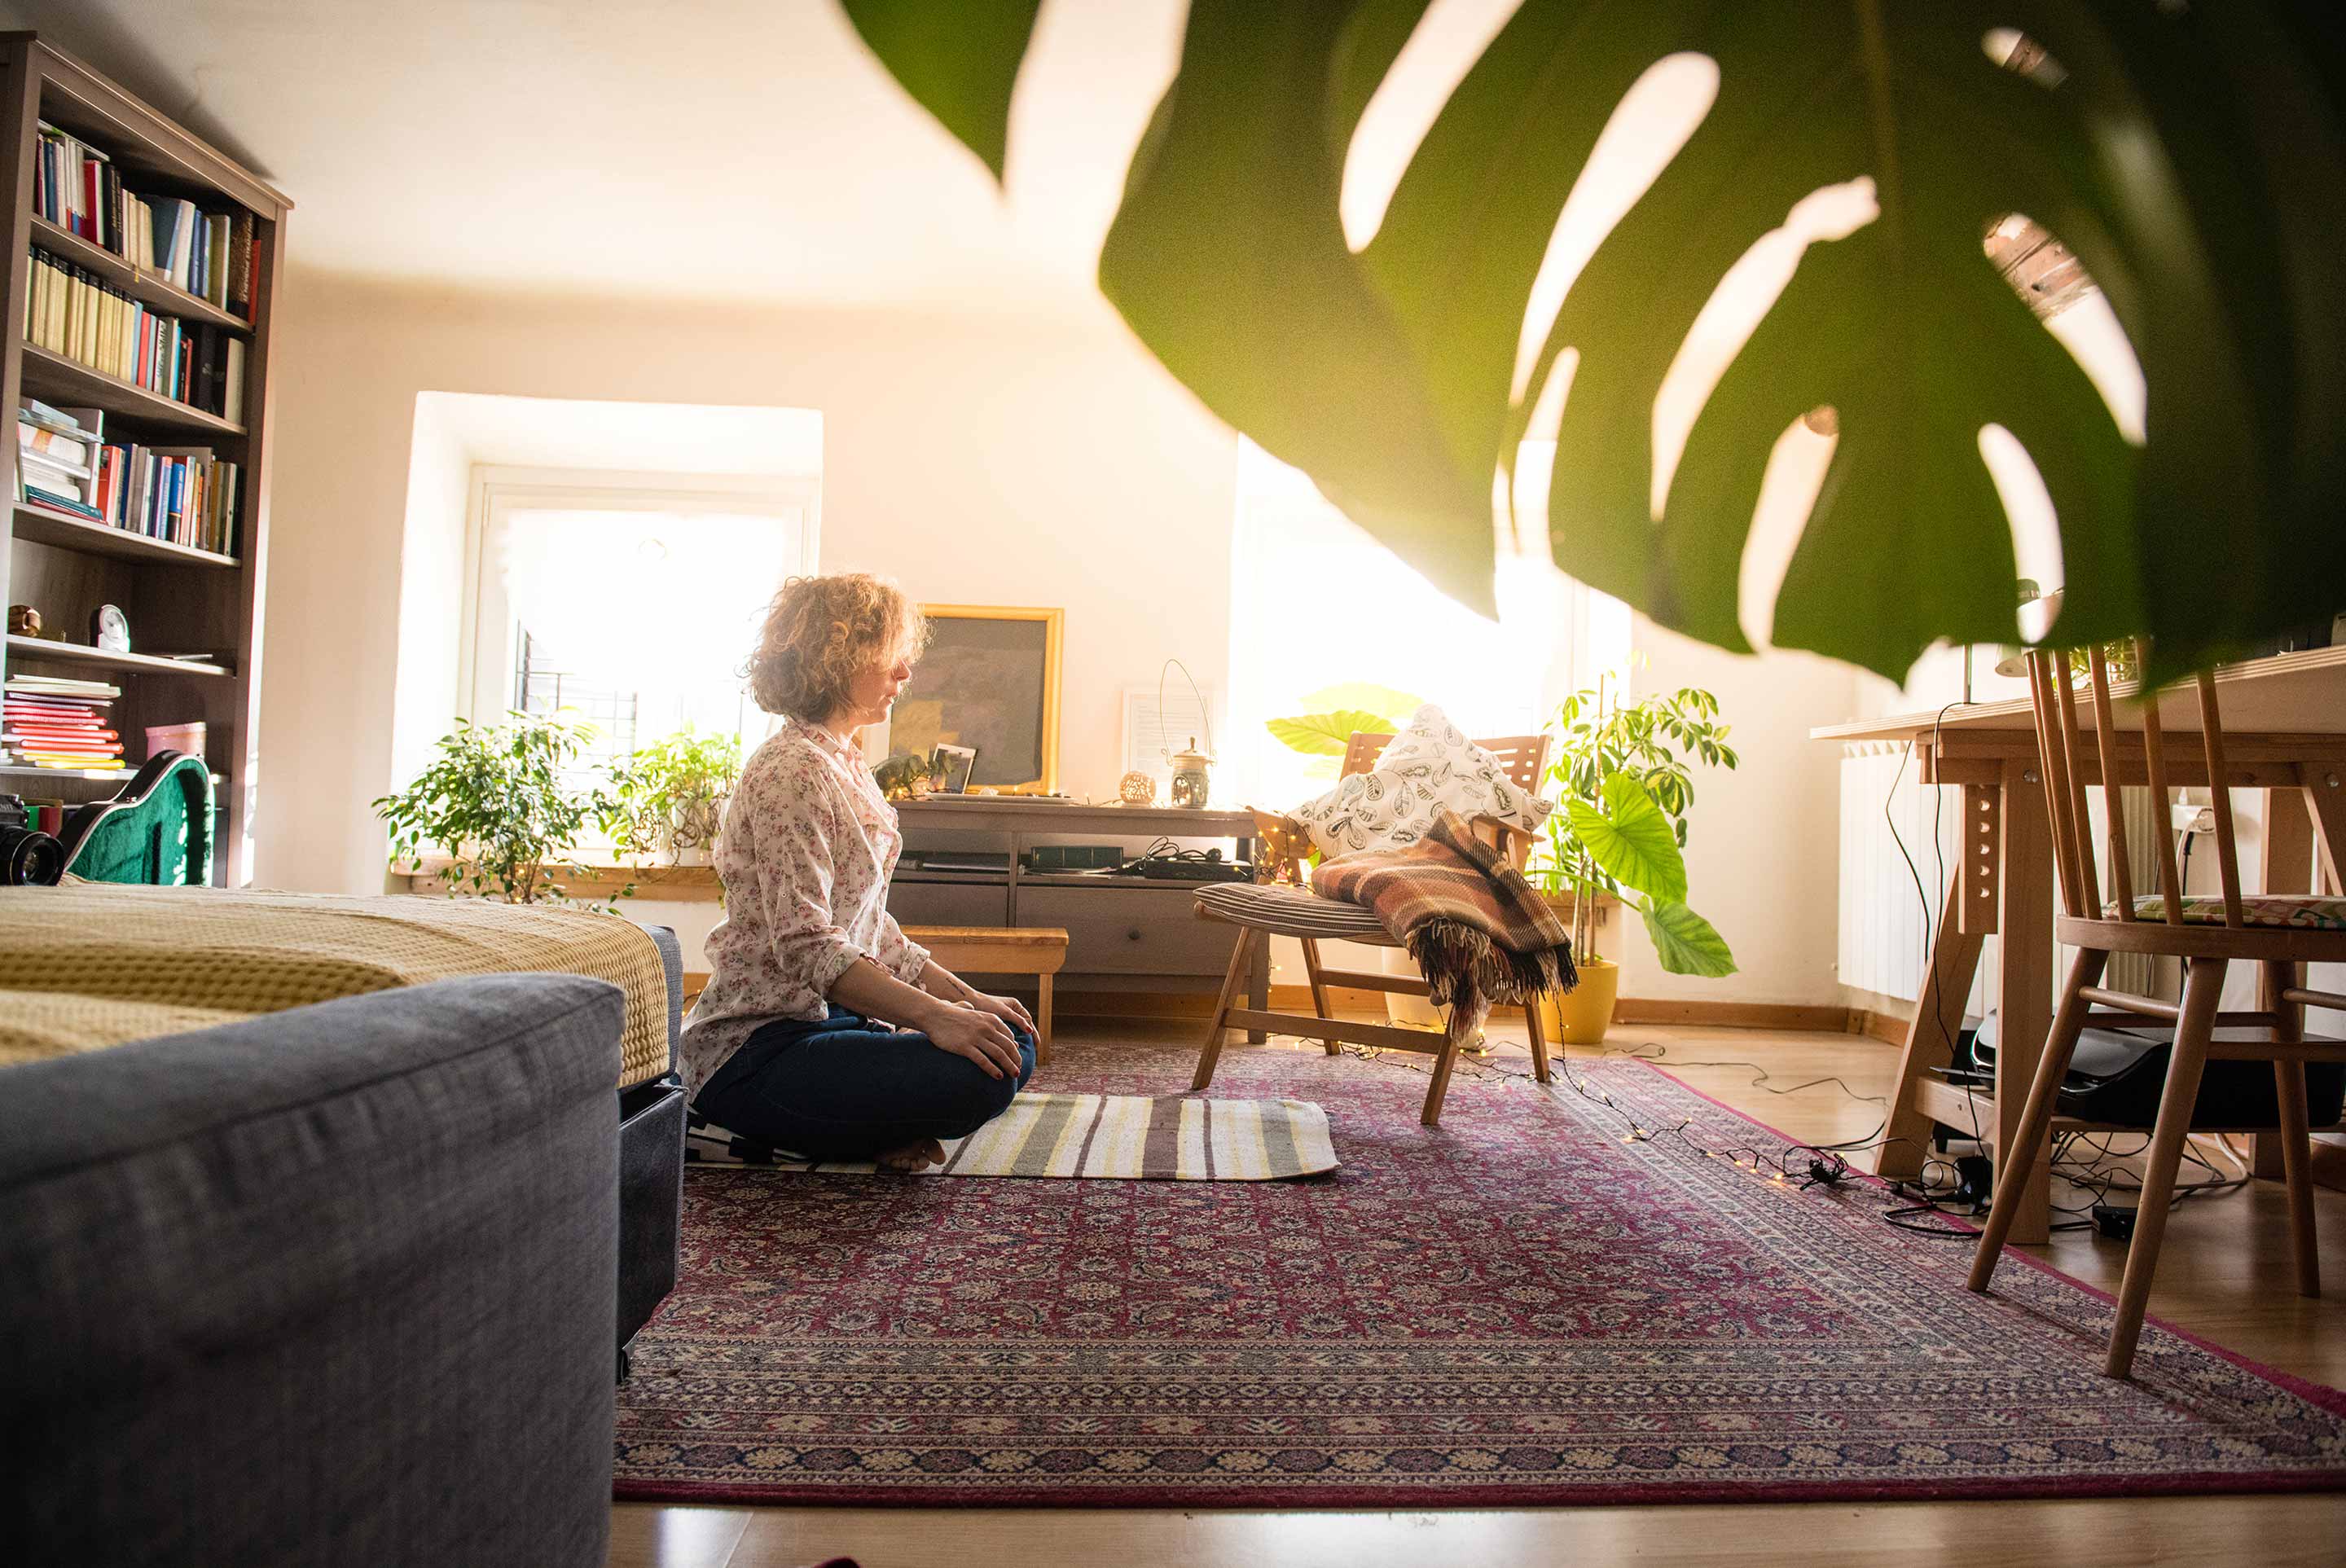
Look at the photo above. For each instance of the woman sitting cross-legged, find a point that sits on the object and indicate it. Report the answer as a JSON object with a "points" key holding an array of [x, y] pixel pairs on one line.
{"points": [[786, 1045]]}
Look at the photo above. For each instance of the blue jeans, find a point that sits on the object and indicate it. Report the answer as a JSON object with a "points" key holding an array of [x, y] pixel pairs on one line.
{"points": [[847, 1089]]}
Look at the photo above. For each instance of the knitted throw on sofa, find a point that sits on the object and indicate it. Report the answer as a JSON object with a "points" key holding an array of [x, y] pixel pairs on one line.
{"points": [[1479, 933], [89, 965]]}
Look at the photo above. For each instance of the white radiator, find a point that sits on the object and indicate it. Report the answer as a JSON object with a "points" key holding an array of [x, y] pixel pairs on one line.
{"points": [[1885, 926]]}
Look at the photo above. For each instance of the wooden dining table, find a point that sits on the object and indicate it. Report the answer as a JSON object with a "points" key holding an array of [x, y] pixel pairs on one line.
{"points": [[2284, 720]]}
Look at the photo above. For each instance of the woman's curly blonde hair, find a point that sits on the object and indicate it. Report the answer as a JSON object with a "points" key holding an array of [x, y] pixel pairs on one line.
{"points": [[821, 633]]}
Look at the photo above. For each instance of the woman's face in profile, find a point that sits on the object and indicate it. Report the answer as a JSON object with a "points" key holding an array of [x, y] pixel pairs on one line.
{"points": [[873, 692]]}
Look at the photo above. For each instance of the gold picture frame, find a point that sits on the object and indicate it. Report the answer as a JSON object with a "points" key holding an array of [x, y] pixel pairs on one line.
{"points": [[990, 679]]}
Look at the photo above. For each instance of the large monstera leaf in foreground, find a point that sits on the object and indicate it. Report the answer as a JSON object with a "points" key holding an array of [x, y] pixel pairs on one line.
{"points": [[2192, 156]]}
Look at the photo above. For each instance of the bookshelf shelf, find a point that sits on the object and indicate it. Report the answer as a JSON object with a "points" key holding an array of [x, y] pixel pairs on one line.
{"points": [[27, 647], [55, 379], [143, 286], [67, 532], [13, 774], [174, 596]]}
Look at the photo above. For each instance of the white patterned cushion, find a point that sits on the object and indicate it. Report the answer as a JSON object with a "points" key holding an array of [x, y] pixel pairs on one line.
{"points": [[1428, 765]]}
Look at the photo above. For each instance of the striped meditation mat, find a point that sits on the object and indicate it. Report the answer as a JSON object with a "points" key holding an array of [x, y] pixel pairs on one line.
{"points": [[1133, 1137]]}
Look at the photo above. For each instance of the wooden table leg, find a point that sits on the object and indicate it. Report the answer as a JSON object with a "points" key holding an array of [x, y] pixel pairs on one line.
{"points": [[1042, 1019], [2024, 1000], [1258, 986], [1930, 1036], [2287, 855]]}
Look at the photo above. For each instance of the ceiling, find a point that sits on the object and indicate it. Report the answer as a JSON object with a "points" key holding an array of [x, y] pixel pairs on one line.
{"points": [[717, 150]]}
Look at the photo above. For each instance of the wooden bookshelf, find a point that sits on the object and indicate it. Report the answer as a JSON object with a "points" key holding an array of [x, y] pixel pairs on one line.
{"points": [[43, 649], [55, 379], [176, 598], [49, 527]]}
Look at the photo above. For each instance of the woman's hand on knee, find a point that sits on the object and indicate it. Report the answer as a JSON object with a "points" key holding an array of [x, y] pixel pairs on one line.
{"points": [[1009, 1009], [982, 1037]]}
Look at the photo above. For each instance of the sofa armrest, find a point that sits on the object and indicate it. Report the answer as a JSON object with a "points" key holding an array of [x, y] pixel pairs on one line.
{"points": [[335, 1284]]}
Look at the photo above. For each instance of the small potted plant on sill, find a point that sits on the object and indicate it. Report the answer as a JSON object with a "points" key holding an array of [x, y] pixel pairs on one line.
{"points": [[494, 800], [668, 797], [1625, 786]]}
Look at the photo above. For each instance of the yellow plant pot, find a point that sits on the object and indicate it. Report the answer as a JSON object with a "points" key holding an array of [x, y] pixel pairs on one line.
{"points": [[1581, 1015]]}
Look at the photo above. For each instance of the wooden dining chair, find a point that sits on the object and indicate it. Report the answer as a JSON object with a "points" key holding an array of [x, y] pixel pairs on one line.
{"points": [[2208, 934], [1262, 911]]}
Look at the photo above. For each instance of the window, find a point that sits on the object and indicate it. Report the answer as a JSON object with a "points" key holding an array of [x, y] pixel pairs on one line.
{"points": [[1316, 603], [632, 601]]}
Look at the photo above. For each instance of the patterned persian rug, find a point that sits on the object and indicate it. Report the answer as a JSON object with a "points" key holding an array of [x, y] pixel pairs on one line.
{"points": [[1131, 1137], [1523, 1307]]}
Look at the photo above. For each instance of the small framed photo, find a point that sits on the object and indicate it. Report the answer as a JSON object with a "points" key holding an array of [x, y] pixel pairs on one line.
{"points": [[953, 767]]}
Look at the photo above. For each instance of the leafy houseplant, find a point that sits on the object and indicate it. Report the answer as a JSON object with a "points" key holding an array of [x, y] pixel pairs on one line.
{"points": [[670, 795], [1625, 784], [1357, 705], [494, 802], [2189, 156]]}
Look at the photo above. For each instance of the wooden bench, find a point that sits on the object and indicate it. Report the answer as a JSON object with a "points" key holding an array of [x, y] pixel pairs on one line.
{"points": [[1039, 950]]}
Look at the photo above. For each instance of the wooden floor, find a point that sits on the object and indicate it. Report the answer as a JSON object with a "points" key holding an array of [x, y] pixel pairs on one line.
{"points": [[2225, 1276]]}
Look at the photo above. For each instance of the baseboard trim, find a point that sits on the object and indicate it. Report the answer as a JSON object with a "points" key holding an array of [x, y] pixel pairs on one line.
{"points": [[1886, 1027], [1822, 1017]]}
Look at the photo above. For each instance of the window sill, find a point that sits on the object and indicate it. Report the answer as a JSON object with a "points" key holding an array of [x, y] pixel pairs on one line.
{"points": [[671, 884]]}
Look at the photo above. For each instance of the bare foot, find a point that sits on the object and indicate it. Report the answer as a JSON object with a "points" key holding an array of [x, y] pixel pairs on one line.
{"points": [[913, 1157]]}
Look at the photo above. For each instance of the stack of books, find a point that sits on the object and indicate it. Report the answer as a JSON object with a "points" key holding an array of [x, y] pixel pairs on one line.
{"points": [[206, 253], [185, 494], [54, 722], [58, 454], [73, 311]]}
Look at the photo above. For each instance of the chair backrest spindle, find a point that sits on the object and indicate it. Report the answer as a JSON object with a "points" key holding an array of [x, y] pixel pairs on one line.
{"points": [[2052, 766], [2089, 888], [2105, 745], [2153, 756], [2219, 796]]}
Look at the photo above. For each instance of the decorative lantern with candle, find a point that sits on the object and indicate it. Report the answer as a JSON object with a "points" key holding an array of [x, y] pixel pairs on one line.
{"points": [[1193, 781]]}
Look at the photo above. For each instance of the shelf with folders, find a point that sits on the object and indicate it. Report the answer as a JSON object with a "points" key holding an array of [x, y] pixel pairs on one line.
{"points": [[182, 562]]}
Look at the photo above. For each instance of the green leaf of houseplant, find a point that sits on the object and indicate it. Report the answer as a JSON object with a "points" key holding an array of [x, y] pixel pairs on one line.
{"points": [[1324, 733], [1361, 696], [1685, 941], [961, 62], [2191, 156], [1228, 259], [1631, 839]]}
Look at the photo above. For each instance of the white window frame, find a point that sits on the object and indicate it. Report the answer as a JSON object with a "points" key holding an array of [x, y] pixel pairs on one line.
{"points": [[487, 649]]}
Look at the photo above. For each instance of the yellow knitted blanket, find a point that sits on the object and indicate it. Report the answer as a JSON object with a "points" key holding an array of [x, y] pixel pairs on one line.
{"points": [[91, 965]]}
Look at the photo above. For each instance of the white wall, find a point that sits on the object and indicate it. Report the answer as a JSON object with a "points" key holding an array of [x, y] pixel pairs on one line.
{"points": [[1763, 840], [1026, 461]]}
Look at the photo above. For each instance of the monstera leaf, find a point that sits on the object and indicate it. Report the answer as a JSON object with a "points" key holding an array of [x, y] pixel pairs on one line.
{"points": [[2191, 156]]}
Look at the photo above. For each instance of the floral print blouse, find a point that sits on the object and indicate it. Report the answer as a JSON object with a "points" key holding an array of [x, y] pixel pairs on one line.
{"points": [[807, 851]]}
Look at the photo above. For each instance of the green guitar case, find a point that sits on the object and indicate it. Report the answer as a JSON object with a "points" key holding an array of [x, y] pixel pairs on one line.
{"points": [[157, 832]]}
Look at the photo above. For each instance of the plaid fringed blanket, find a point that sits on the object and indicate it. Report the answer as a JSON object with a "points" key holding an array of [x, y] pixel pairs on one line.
{"points": [[1478, 931]]}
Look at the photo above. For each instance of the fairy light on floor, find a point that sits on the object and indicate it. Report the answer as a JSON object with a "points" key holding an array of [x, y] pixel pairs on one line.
{"points": [[1798, 1168]]}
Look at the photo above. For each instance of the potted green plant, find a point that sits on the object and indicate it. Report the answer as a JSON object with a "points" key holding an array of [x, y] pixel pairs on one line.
{"points": [[668, 797], [495, 800], [1625, 783]]}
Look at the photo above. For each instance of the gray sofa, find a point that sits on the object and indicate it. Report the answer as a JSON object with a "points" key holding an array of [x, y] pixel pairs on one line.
{"points": [[329, 1285]]}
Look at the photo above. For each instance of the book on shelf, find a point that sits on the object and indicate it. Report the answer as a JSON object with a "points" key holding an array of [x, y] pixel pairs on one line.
{"points": [[72, 311], [204, 251], [59, 722], [182, 494]]}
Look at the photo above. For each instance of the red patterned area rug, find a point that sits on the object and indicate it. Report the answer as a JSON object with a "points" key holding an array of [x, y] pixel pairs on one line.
{"points": [[1517, 1308]]}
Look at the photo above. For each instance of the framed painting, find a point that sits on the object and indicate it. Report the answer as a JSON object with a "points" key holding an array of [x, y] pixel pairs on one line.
{"points": [[990, 682]]}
